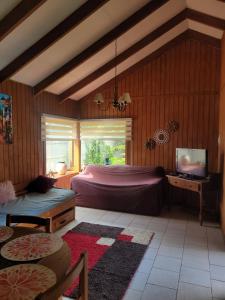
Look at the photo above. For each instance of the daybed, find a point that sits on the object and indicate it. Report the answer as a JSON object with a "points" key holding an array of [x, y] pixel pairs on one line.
{"points": [[120, 188], [57, 204]]}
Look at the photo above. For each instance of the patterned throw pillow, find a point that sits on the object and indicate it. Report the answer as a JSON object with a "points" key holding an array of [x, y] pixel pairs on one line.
{"points": [[41, 184], [7, 192]]}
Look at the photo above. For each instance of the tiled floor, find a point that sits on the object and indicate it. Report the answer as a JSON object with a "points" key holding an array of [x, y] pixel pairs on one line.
{"points": [[184, 260]]}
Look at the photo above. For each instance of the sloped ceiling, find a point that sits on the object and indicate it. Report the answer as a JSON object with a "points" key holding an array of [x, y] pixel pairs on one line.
{"points": [[92, 28]]}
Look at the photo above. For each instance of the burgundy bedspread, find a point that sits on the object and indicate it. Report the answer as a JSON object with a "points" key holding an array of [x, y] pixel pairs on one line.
{"points": [[121, 188]]}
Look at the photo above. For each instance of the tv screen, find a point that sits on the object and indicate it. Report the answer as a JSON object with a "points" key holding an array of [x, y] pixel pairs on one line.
{"points": [[192, 162]]}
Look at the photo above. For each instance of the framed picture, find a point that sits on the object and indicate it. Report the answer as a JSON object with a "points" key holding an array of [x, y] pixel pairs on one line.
{"points": [[5, 119]]}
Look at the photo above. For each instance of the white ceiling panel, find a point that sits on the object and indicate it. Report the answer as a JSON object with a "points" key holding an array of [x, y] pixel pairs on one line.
{"points": [[6, 6], [135, 34], [94, 27], [202, 28], [211, 7], [78, 39], [45, 18]]}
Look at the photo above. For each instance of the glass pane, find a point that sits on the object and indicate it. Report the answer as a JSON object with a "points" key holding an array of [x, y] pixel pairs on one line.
{"points": [[101, 152], [58, 151]]}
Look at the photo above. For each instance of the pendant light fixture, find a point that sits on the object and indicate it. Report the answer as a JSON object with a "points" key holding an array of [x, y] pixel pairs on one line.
{"points": [[119, 102]]}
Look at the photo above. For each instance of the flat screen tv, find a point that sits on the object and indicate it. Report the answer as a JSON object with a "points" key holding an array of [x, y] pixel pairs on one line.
{"points": [[192, 162]]}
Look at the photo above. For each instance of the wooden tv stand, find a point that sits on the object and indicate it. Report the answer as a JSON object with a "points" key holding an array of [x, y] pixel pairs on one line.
{"points": [[195, 185]]}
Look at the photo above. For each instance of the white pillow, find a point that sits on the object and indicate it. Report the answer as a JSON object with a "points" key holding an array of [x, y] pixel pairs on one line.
{"points": [[7, 192]]}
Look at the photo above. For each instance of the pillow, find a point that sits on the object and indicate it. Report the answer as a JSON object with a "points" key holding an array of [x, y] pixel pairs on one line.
{"points": [[7, 192], [41, 184], [159, 171]]}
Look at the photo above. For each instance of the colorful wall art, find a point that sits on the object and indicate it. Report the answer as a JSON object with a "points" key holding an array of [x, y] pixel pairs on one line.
{"points": [[5, 119]]}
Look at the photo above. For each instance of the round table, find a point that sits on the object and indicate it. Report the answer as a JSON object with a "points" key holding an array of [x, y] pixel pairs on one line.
{"points": [[58, 262]]}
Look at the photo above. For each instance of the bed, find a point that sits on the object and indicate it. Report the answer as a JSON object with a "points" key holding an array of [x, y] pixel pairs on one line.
{"points": [[131, 189]]}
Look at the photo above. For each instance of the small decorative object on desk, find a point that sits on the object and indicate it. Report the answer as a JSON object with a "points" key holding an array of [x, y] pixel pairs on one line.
{"points": [[51, 174], [61, 168], [31, 246], [25, 281], [5, 233]]}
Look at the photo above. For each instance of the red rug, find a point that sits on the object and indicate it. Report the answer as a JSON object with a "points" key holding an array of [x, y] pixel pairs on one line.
{"points": [[114, 255]]}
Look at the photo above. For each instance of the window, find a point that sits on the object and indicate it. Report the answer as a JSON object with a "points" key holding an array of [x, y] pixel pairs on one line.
{"points": [[59, 135], [104, 141]]}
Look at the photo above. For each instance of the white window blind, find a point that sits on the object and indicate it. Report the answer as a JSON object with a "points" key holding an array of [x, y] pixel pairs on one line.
{"points": [[107, 129], [54, 128]]}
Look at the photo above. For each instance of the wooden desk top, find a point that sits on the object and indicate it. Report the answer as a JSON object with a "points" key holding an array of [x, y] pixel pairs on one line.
{"points": [[187, 179], [58, 262]]}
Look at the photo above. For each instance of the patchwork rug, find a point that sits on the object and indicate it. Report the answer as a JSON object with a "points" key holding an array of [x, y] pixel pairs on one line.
{"points": [[114, 255]]}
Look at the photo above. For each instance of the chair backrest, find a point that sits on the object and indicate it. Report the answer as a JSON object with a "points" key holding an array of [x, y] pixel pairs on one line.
{"points": [[81, 270], [23, 219]]}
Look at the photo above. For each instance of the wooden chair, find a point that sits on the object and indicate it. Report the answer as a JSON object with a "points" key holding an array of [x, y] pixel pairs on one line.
{"points": [[23, 220], [81, 270]]}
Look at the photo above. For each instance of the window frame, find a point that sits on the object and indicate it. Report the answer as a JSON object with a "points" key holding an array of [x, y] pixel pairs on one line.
{"points": [[76, 142], [75, 147], [128, 142]]}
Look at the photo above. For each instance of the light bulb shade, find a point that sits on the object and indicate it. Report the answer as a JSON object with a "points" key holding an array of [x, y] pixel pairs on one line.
{"points": [[98, 98], [120, 100], [126, 98]]}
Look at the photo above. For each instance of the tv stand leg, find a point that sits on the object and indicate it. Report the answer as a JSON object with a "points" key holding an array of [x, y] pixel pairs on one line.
{"points": [[201, 207]]}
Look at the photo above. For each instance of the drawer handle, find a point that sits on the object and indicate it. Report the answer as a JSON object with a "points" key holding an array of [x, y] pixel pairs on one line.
{"points": [[62, 222]]}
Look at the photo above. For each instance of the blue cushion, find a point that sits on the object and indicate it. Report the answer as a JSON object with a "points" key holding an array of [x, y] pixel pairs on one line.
{"points": [[35, 203]]}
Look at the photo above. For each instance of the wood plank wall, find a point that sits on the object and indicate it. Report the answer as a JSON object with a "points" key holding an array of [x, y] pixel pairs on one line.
{"points": [[23, 160], [222, 132], [181, 84]]}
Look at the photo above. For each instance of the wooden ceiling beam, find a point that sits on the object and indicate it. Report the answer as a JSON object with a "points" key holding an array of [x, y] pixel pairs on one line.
{"points": [[188, 34], [138, 16], [124, 55], [51, 37], [205, 19], [15, 17], [186, 13]]}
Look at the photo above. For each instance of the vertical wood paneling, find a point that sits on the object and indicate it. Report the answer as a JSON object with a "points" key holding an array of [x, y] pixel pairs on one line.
{"points": [[23, 160], [181, 84], [222, 132]]}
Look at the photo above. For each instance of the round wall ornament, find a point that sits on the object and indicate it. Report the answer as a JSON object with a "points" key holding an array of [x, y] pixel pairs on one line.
{"points": [[161, 136]]}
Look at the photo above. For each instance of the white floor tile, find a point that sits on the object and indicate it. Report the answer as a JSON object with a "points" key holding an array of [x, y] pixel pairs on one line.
{"points": [[157, 227], [167, 263], [154, 292], [139, 281], [155, 243], [218, 289], [217, 273], [132, 295], [145, 266], [170, 251], [196, 250], [164, 278], [193, 292], [196, 240], [150, 253], [195, 262], [172, 242], [195, 276], [217, 257]]}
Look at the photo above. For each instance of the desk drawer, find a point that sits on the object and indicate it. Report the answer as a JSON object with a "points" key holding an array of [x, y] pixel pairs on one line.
{"points": [[177, 182], [62, 219], [192, 186]]}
